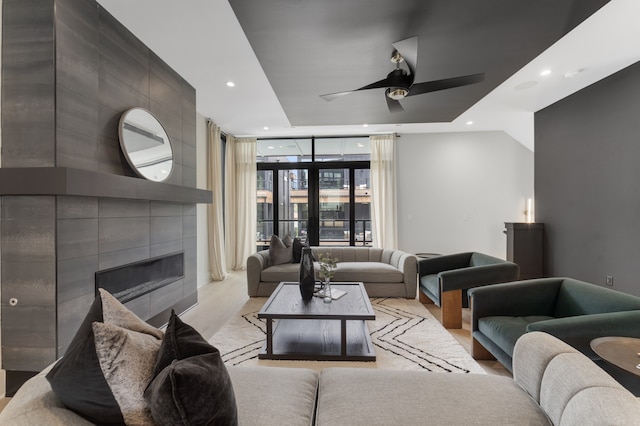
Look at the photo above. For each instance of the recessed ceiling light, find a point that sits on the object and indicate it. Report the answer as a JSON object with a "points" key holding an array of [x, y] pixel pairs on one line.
{"points": [[469, 123], [265, 128], [526, 85], [545, 73], [571, 74], [365, 125], [231, 84], [270, 147]]}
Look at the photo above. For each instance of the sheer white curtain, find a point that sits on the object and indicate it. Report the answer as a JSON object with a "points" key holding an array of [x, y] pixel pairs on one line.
{"points": [[383, 191], [215, 217], [240, 202]]}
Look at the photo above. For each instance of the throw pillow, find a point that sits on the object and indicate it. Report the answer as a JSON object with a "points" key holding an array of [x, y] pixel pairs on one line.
{"points": [[127, 358], [297, 250], [279, 253], [190, 384], [77, 378], [180, 341], [298, 245]]}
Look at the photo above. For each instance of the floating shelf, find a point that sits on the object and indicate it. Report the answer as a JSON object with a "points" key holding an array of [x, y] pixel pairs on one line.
{"points": [[85, 183]]}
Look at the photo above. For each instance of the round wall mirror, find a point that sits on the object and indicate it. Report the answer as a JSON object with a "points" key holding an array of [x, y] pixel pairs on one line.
{"points": [[146, 144]]}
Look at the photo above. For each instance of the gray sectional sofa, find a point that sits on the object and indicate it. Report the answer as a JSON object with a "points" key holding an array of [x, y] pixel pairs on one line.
{"points": [[384, 272], [553, 384]]}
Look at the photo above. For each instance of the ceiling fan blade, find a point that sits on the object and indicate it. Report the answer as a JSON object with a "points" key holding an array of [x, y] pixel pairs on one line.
{"points": [[446, 83], [377, 85], [408, 48], [393, 105], [331, 96]]}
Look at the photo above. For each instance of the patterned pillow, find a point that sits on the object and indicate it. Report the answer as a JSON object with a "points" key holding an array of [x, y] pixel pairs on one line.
{"points": [[77, 378], [190, 384]]}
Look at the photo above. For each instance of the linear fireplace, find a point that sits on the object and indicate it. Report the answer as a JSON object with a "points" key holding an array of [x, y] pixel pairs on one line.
{"points": [[133, 280]]}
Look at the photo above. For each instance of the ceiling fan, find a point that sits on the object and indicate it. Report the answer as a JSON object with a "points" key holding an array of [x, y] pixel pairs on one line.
{"points": [[399, 84]]}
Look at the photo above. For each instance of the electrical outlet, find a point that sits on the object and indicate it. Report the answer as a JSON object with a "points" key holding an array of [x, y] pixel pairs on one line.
{"points": [[610, 280]]}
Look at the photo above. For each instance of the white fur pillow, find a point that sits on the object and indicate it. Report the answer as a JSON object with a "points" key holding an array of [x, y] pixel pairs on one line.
{"points": [[127, 359]]}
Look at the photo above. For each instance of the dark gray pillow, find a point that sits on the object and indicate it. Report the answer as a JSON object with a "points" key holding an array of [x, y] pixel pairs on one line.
{"points": [[77, 378], [180, 341], [193, 391], [190, 384], [298, 245], [297, 250], [279, 253]]}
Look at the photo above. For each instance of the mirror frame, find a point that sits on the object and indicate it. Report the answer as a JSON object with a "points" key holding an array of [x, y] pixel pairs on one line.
{"points": [[127, 154]]}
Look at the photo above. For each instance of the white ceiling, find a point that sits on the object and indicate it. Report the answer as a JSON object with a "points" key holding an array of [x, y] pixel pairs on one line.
{"points": [[203, 41]]}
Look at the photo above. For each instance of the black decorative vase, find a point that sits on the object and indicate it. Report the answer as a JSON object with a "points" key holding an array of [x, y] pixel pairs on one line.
{"points": [[307, 274]]}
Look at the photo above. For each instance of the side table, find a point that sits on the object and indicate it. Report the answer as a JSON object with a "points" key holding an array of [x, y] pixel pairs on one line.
{"points": [[623, 352]]}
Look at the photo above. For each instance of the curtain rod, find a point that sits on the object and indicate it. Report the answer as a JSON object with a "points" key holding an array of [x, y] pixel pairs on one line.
{"points": [[397, 135], [222, 132], [325, 137]]}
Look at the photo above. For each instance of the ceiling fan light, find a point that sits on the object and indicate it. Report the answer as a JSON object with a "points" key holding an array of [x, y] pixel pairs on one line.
{"points": [[397, 93], [396, 57]]}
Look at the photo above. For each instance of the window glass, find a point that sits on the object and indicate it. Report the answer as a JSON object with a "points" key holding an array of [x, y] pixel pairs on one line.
{"points": [[341, 213], [293, 206], [334, 206], [264, 194], [343, 149], [362, 230], [283, 150]]}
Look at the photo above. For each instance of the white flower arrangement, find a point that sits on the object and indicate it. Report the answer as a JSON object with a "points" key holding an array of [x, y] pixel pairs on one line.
{"points": [[327, 265]]}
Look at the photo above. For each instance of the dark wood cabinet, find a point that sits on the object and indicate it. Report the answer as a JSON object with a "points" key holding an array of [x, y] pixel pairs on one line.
{"points": [[524, 247]]}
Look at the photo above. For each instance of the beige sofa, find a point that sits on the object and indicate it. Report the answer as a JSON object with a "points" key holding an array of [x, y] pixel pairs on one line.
{"points": [[553, 384], [384, 272]]}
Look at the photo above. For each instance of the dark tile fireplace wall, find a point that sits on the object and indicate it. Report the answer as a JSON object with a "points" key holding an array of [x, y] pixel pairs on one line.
{"points": [[69, 71]]}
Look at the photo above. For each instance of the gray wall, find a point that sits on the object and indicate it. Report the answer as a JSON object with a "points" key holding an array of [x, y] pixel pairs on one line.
{"points": [[69, 71], [67, 79], [587, 182]]}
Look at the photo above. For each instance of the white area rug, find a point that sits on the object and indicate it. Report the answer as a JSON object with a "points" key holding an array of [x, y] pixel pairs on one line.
{"points": [[405, 335]]}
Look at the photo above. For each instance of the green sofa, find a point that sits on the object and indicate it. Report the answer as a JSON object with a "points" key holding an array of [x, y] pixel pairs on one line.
{"points": [[444, 280], [573, 311]]}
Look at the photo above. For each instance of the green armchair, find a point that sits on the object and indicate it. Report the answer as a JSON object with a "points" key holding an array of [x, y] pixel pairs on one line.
{"points": [[571, 310], [444, 280]]}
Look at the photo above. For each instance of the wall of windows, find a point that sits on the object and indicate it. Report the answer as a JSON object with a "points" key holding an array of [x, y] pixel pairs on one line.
{"points": [[317, 189]]}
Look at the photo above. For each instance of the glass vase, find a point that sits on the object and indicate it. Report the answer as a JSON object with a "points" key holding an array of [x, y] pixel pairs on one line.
{"points": [[327, 290]]}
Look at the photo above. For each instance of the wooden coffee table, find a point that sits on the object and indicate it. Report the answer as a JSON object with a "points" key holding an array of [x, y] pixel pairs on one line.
{"points": [[316, 330]]}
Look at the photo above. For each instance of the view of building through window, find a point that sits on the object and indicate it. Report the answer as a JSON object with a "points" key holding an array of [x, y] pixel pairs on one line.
{"points": [[317, 189]]}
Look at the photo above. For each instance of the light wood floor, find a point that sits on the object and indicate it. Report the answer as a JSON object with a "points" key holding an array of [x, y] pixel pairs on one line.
{"points": [[217, 301]]}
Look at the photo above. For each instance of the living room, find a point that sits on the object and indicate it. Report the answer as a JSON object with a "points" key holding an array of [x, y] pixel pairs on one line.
{"points": [[456, 187]]}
